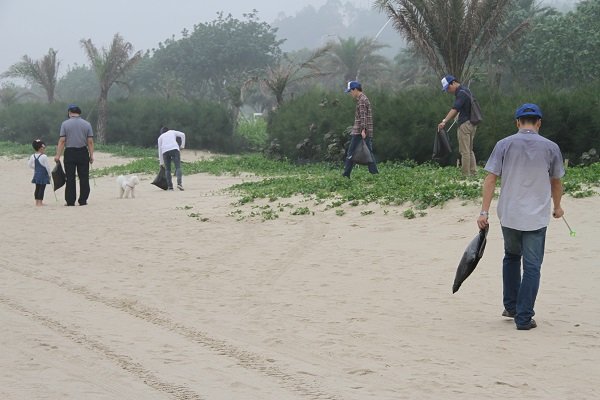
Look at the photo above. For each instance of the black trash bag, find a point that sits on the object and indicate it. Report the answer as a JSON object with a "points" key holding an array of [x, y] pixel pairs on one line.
{"points": [[161, 179], [470, 258], [441, 146], [362, 154], [58, 176]]}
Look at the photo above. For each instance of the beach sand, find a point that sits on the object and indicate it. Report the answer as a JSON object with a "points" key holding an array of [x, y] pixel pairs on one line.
{"points": [[169, 296]]}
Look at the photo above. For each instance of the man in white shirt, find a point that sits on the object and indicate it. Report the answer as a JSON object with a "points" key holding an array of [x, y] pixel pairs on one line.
{"points": [[168, 150]]}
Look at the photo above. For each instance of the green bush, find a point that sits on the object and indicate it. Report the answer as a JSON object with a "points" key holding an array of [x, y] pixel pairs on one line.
{"points": [[253, 131], [135, 122], [406, 123]]}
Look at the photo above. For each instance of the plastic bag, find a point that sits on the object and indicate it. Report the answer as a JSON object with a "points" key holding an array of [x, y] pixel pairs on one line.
{"points": [[362, 154], [441, 146], [470, 259], [58, 176], [161, 179]]}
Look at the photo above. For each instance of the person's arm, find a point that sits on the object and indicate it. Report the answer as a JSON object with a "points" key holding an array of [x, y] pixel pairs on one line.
{"points": [[59, 148], [31, 162], [557, 192], [160, 155], [451, 115], [362, 115], [90, 146], [182, 136], [489, 187]]}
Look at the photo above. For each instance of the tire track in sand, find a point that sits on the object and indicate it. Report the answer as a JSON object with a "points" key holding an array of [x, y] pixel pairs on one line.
{"points": [[244, 358], [177, 391]]}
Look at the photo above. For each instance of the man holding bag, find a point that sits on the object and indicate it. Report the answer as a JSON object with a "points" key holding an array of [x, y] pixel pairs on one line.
{"points": [[361, 130]]}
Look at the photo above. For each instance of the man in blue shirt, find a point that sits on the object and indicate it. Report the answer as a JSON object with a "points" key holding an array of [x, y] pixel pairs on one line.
{"points": [[530, 167], [466, 130]]}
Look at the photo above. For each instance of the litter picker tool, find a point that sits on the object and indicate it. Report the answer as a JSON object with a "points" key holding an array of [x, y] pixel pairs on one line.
{"points": [[571, 231]]}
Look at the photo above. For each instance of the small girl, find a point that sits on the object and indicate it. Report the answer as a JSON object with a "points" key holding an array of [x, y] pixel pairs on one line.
{"points": [[42, 171]]}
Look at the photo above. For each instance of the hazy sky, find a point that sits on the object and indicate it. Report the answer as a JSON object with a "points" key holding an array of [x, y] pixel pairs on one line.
{"points": [[31, 27]]}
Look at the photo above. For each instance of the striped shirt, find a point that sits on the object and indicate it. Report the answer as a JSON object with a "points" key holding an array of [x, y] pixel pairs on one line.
{"points": [[363, 118]]}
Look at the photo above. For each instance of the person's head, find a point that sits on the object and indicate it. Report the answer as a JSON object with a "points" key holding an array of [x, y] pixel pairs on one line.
{"points": [[354, 88], [450, 84], [73, 109], [163, 129], [38, 145], [529, 116]]}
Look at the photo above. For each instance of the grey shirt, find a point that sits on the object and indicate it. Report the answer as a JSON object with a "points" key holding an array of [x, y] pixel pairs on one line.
{"points": [[525, 162], [76, 130]]}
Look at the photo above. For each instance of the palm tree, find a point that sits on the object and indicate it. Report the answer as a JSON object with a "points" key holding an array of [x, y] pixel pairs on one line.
{"points": [[42, 72], [450, 34], [280, 76], [351, 58], [109, 65]]}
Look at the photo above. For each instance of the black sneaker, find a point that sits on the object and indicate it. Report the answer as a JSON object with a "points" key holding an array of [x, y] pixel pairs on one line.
{"points": [[508, 314], [532, 324], [180, 187]]}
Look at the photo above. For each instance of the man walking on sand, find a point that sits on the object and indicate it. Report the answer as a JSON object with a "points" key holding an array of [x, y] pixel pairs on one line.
{"points": [[362, 128], [530, 167], [77, 141], [466, 130]]}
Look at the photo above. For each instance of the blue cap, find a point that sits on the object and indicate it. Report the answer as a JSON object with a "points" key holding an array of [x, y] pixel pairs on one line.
{"points": [[352, 85], [447, 81], [528, 109], [71, 107]]}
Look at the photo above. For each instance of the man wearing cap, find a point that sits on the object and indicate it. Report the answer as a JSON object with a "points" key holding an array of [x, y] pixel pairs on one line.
{"points": [[530, 167], [466, 130], [77, 141], [362, 128]]}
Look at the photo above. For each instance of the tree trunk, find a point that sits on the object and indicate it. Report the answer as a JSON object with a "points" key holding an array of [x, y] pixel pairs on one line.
{"points": [[102, 118]]}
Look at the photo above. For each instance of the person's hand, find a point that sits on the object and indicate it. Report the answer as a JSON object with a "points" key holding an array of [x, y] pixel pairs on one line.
{"points": [[91, 159], [482, 222], [441, 126], [363, 134], [56, 159], [558, 212]]}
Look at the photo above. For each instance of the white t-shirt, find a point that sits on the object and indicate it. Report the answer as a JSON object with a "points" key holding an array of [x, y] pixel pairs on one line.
{"points": [[168, 141]]}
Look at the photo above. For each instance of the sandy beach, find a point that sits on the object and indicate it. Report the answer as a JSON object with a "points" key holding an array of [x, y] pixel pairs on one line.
{"points": [[169, 296]]}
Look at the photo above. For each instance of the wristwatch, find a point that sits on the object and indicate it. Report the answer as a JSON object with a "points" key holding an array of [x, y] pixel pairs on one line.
{"points": [[484, 213]]}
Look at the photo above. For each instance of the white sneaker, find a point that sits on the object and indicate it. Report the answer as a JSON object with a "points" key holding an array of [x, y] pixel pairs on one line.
{"points": [[180, 187]]}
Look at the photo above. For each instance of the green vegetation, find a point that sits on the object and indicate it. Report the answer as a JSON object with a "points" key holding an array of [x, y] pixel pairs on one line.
{"points": [[418, 186]]}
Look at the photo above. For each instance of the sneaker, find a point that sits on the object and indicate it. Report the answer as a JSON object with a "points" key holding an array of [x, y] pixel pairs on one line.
{"points": [[532, 324], [180, 187], [508, 314], [170, 188]]}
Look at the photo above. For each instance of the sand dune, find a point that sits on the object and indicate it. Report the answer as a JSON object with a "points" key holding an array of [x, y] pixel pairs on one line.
{"points": [[168, 296]]}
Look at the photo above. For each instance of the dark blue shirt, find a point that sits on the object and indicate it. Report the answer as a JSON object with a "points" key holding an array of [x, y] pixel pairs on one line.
{"points": [[462, 104]]}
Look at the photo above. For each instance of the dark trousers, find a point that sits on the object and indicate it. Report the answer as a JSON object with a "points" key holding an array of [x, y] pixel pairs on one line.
{"points": [[39, 192], [349, 164], [77, 160]]}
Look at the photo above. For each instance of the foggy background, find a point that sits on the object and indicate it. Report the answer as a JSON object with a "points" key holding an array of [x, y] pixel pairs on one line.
{"points": [[32, 27]]}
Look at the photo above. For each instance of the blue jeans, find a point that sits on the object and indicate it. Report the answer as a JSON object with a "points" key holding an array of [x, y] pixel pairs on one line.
{"points": [[175, 156], [349, 164], [520, 293]]}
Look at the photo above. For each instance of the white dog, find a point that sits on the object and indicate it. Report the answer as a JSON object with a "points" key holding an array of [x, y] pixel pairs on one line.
{"points": [[127, 185]]}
